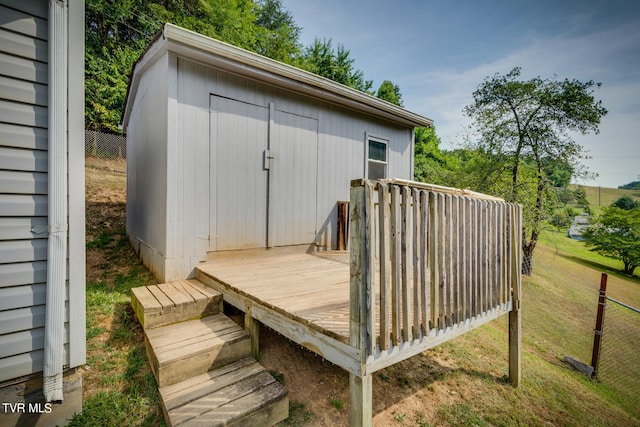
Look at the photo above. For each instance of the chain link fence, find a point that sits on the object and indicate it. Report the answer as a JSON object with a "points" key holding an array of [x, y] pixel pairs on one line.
{"points": [[105, 145], [619, 363]]}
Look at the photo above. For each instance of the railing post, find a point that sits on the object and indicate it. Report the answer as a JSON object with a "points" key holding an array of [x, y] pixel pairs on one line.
{"points": [[515, 315], [362, 299], [597, 336]]}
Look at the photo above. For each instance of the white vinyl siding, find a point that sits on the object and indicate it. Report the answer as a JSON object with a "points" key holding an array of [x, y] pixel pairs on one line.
{"points": [[23, 185], [24, 188]]}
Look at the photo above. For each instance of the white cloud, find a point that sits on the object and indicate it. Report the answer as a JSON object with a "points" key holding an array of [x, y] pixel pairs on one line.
{"points": [[610, 57]]}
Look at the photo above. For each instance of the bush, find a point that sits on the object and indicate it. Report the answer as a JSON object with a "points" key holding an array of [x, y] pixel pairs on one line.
{"points": [[561, 219]]}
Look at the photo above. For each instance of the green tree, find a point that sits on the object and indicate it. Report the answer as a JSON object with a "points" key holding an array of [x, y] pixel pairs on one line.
{"points": [[390, 92], [626, 203], [431, 164], [559, 173], [633, 185], [322, 59], [278, 35], [616, 234], [525, 124], [118, 31], [114, 38]]}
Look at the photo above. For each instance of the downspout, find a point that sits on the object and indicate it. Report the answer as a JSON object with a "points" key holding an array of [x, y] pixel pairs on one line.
{"points": [[57, 202]]}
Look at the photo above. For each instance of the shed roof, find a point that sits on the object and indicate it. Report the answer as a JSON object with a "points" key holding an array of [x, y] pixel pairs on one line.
{"points": [[189, 44]]}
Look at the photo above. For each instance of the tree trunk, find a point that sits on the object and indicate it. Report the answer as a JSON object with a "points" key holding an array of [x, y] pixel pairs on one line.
{"points": [[629, 268], [529, 247], [527, 256]]}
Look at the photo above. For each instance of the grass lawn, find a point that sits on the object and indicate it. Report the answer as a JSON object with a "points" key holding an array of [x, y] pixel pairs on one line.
{"points": [[463, 382]]}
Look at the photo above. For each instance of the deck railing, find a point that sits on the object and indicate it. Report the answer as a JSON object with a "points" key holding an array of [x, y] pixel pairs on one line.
{"points": [[427, 263]]}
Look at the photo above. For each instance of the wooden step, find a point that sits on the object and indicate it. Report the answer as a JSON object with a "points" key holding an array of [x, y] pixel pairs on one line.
{"points": [[167, 303], [239, 394], [182, 350]]}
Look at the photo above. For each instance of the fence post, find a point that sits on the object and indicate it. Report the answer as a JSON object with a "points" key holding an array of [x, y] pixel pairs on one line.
{"points": [[597, 336]]}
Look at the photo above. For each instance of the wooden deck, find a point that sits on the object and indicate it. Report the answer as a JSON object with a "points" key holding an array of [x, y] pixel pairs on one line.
{"points": [[425, 266], [309, 288]]}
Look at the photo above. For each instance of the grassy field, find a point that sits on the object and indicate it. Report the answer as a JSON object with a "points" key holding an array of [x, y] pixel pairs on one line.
{"points": [[463, 382], [602, 196]]}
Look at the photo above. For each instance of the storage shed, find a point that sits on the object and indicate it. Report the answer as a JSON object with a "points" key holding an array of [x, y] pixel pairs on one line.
{"points": [[42, 236], [227, 150]]}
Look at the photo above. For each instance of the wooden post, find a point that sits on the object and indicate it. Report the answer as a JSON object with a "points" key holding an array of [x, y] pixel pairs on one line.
{"points": [[362, 299], [343, 226], [515, 315], [253, 327], [597, 337], [360, 400]]}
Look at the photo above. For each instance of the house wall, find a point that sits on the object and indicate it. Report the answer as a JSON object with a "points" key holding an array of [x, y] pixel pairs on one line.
{"points": [[341, 154], [24, 188], [147, 167]]}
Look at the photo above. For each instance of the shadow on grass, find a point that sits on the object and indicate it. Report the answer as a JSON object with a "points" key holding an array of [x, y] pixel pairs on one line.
{"points": [[601, 267]]}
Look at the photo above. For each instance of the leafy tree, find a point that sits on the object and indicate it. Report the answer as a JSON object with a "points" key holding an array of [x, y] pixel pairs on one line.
{"points": [[278, 35], [580, 196], [616, 234], [322, 59], [626, 203], [634, 185], [524, 125], [114, 38], [118, 31], [390, 92], [558, 173], [430, 163], [560, 219]]}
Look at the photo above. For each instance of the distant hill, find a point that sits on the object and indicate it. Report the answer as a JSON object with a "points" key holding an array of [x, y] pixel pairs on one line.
{"points": [[635, 185], [603, 196]]}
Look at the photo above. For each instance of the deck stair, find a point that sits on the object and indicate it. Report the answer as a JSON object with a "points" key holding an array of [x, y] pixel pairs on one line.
{"points": [[202, 359]]}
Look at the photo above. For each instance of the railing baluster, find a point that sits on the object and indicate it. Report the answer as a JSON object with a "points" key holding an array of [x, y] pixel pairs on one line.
{"points": [[490, 255], [482, 256], [417, 274], [477, 282], [434, 260], [450, 279], [456, 262], [405, 247], [395, 264], [385, 270], [424, 263], [462, 260], [442, 258]]}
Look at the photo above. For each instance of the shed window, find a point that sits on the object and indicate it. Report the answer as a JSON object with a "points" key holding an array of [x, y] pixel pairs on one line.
{"points": [[376, 159]]}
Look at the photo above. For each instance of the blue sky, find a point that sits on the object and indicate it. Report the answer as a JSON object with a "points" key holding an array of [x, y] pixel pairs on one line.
{"points": [[439, 51]]}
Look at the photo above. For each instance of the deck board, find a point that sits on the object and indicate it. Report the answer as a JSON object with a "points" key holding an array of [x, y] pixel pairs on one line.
{"points": [[313, 288]]}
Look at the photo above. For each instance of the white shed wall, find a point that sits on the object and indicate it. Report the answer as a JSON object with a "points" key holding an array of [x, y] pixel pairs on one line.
{"points": [[147, 167], [341, 155]]}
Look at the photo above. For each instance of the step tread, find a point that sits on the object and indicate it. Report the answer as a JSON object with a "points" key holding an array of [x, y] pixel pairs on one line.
{"points": [[193, 347], [180, 300], [239, 393]]}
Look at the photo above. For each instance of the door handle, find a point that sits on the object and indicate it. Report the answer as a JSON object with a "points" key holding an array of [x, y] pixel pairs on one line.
{"points": [[267, 157]]}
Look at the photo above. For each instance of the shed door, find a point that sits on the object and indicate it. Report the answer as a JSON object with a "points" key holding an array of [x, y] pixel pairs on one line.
{"points": [[256, 202], [238, 211], [294, 176]]}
